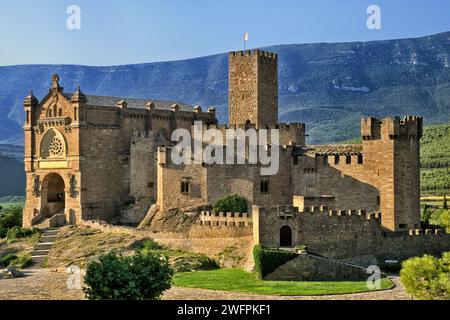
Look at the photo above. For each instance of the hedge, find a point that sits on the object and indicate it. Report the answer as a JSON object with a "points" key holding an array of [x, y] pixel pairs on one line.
{"points": [[267, 261]]}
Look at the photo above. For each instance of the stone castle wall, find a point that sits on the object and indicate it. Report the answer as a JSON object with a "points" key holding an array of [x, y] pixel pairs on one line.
{"points": [[345, 235]]}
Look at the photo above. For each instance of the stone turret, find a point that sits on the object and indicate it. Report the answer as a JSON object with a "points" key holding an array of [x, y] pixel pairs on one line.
{"points": [[391, 150]]}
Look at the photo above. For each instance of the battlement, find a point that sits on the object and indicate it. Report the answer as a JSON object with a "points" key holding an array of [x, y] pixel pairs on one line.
{"points": [[292, 211], [250, 53], [225, 219], [142, 134], [281, 126], [426, 232], [392, 128], [289, 133], [165, 154]]}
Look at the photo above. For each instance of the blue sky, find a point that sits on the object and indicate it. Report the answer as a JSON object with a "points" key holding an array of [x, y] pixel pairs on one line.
{"points": [[134, 31]]}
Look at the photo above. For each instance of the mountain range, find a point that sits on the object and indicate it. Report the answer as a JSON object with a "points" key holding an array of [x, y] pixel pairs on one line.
{"points": [[329, 86]]}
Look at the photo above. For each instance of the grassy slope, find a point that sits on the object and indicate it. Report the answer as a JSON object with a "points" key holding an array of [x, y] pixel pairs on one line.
{"points": [[435, 159], [241, 281]]}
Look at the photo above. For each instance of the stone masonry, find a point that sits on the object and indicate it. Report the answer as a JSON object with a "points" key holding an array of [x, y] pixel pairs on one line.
{"points": [[96, 158]]}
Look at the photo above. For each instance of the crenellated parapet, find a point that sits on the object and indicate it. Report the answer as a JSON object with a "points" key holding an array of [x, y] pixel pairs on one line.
{"points": [[289, 133], [225, 219], [392, 128], [249, 53]]}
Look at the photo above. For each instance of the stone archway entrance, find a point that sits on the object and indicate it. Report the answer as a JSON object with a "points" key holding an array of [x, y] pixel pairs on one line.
{"points": [[53, 195], [285, 236]]}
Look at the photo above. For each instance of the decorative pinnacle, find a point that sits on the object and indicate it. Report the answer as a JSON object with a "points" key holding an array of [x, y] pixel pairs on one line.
{"points": [[55, 83]]}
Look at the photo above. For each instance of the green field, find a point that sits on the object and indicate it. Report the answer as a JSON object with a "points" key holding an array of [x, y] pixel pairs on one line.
{"points": [[241, 281], [435, 160]]}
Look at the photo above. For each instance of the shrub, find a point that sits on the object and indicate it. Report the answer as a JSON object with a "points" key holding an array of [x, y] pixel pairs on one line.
{"points": [[137, 277], [267, 261], [3, 232], [427, 277], [150, 245], [232, 203], [11, 217], [193, 262], [445, 220], [22, 261], [19, 232], [6, 261]]}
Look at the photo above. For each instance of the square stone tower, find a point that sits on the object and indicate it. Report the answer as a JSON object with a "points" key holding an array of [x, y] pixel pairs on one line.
{"points": [[253, 88], [391, 150]]}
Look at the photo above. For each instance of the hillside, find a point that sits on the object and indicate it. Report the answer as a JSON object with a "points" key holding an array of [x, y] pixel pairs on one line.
{"points": [[327, 86], [12, 176], [435, 158]]}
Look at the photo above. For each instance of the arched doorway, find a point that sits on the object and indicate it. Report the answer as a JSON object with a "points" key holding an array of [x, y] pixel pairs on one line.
{"points": [[53, 194], [285, 236]]}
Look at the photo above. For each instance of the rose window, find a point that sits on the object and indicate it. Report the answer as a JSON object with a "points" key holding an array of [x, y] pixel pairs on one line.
{"points": [[56, 147]]}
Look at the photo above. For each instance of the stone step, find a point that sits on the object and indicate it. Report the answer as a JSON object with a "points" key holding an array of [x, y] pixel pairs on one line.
{"points": [[43, 246], [39, 260], [46, 239], [50, 231], [40, 252]]}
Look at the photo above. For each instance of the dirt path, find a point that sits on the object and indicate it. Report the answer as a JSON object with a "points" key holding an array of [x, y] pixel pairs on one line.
{"points": [[44, 284]]}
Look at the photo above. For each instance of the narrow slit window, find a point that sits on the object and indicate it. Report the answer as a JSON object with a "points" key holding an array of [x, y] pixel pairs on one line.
{"points": [[185, 187]]}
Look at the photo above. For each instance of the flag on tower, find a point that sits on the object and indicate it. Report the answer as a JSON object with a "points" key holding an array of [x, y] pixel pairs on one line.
{"points": [[245, 39]]}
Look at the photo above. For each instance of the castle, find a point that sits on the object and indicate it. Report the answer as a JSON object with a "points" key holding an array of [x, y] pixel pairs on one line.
{"points": [[93, 158]]}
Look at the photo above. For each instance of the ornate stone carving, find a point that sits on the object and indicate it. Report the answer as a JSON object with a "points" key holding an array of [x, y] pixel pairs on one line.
{"points": [[72, 185], [36, 185]]}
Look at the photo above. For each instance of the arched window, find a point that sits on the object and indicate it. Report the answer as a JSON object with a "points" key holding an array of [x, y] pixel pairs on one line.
{"points": [[28, 116], [55, 111], [75, 111], [50, 113], [53, 145], [60, 113]]}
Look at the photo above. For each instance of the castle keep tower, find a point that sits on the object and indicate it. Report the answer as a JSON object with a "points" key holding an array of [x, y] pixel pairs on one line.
{"points": [[392, 153], [253, 88]]}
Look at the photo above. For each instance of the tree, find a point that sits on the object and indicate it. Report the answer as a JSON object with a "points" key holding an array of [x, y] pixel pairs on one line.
{"points": [[445, 220], [445, 206], [427, 277], [426, 215], [138, 277], [232, 203]]}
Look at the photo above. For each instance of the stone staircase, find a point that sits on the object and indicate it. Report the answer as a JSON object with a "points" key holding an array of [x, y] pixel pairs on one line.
{"points": [[42, 248]]}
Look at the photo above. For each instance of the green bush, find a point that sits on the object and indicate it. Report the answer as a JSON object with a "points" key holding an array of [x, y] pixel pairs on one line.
{"points": [[3, 232], [11, 217], [138, 277], [427, 277], [232, 203], [22, 261], [267, 261], [19, 232], [445, 220], [6, 261], [150, 245]]}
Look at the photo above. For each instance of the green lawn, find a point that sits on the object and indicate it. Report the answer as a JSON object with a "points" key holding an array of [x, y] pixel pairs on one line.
{"points": [[242, 281]]}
